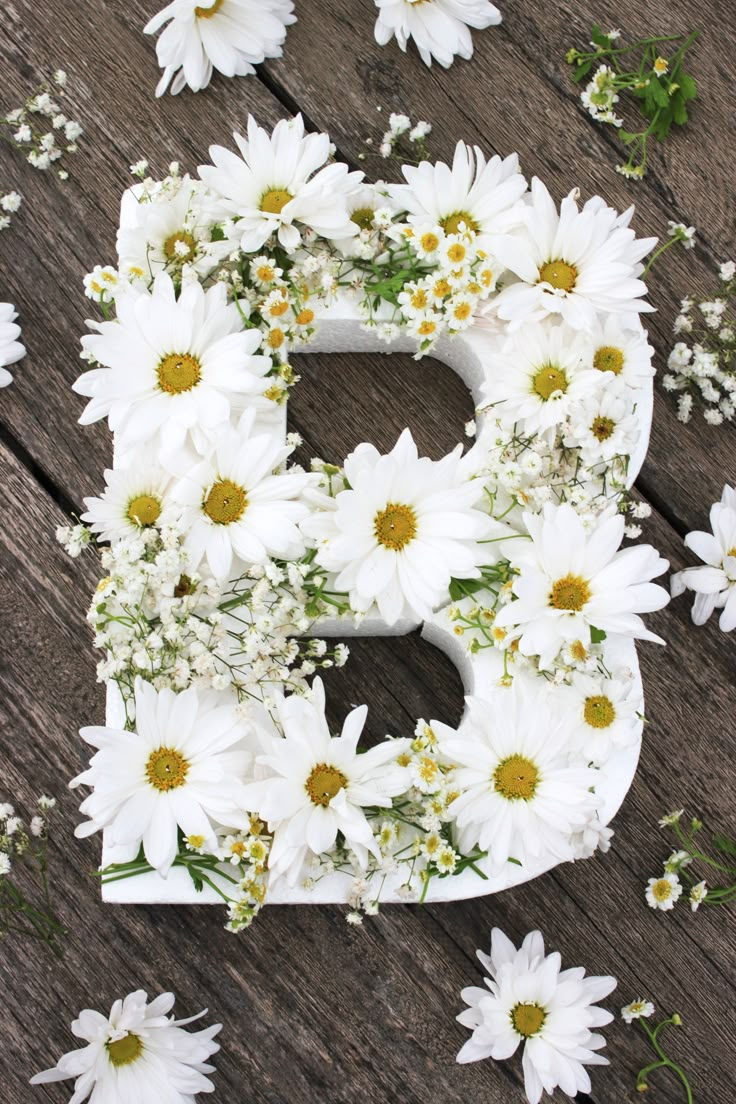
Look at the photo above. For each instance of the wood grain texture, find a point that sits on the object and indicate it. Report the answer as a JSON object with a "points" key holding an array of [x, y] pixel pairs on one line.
{"points": [[316, 1011]]}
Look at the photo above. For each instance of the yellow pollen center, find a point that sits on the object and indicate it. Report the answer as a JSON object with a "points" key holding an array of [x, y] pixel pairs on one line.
{"points": [[609, 359], [427, 327], [548, 380], [396, 526], [429, 242], [278, 308], [265, 274], [174, 254], [304, 317], [419, 299], [274, 201], [528, 1019], [144, 510], [570, 593], [559, 274], [451, 223], [662, 890], [516, 778], [166, 769], [207, 13], [456, 253], [599, 712], [122, 1052], [225, 503], [324, 783], [578, 650], [732, 551], [363, 218], [442, 288], [602, 428], [462, 311], [178, 372]]}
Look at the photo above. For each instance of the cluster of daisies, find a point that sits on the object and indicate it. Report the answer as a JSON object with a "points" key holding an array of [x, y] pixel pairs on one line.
{"points": [[199, 37], [225, 565]]}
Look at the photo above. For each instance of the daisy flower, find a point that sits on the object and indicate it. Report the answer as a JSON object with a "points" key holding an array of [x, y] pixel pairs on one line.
{"points": [[714, 584], [135, 498], [603, 423], [440, 28], [538, 374], [282, 185], [636, 1010], [604, 714], [317, 785], [571, 581], [573, 263], [173, 369], [11, 349], [520, 795], [662, 893], [233, 506], [531, 1002], [182, 767], [622, 350], [406, 526], [231, 36], [698, 894], [137, 1052], [480, 195]]}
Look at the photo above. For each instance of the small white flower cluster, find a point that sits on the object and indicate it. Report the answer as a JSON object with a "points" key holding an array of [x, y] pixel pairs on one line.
{"points": [[400, 126], [247, 851], [599, 97], [702, 365], [10, 204], [25, 847], [664, 892], [42, 130]]}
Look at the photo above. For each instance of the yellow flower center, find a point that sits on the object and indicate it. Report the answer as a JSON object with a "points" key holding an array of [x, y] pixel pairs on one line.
{"points": [[195, 841], [559, 274], [274, 201], [570, 593], [441, 288], [275, 338], [396, 526], [451, 223], [456, 253], [144, 510], [602, 428], [363, 217], [178, 372], [238, 848], [122, 1052], [182, 237], [207, 13], [278, 308], [662, 890], [419, 299], [732, 551], [429, 242], [304, 317], [427, 328], [166, 769], [528, 1019], [599, 711], [609, 359], [225, 503], [516, 778], [265, 274], [462, 311], [549, 380], [578, 651], [324, 783]]}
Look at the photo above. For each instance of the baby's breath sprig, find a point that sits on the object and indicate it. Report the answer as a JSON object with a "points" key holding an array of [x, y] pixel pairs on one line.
{"points": [[664, 892], [26, 851], [406, 139], [639, 1011], [659, 83], [41, 130]]}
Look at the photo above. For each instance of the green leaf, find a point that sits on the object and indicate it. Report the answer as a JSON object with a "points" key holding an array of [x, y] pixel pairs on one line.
{"points": [[463, 588], [581, 71], [597, 636], [659, 93], [679, 111], [688, 87], [599, 38], [724, 844]]}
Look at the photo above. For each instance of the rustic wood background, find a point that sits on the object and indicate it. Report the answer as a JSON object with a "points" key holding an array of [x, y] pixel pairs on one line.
{"points": [[314, 1010]]}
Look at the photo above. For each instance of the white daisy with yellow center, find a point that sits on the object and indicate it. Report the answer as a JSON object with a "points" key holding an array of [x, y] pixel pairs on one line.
{"points": [[440, 28], [135, 498], [603, 423], [604, 714]]}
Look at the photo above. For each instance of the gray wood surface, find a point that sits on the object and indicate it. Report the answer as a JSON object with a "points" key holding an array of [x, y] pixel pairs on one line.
{"points": [[316, 1012]]}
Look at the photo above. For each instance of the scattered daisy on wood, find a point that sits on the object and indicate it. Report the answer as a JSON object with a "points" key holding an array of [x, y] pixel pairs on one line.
{"points": [[11, 349], [137, 1052], [230, 36], [530, 1001], [638, 1012], [714, 584], [440, 28]]}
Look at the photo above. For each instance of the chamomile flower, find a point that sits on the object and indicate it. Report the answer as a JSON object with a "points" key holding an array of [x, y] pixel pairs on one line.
{"points": [[573, 263], [622, 350], [571, 580], [314, 785], [520, 795], [663, 893], [406, 526], [636, 1010], [530, 1001], [135, 498], [440, 28], [233, 507], [714, 584], [282, 185], [173, 369], [11, 350], [137, 1052], [604, 714], [603, 423], [697, 895], [231, 36], [181, 768]]}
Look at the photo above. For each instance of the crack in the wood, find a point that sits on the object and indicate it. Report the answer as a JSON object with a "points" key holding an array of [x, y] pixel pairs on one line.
{"points": [[35, 469]]}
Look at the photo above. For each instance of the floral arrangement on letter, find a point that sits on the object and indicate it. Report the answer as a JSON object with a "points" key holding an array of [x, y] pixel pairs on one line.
{"points": [[226, 567]]}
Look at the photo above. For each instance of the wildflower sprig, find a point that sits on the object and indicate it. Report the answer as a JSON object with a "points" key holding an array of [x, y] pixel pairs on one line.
{"points": [[41, 130], [658, 82], [640, 1011], [25, 852], [664, 892], [406, 139]]}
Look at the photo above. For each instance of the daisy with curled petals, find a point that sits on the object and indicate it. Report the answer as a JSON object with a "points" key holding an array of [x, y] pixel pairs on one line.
{"points": [[406, 526], [135, 497], [173, 369], [317, 785], [440, 28], [572, 580], [232, 506], [282, 185], [714, 583], [182, 767], [573, 263], [530, 1001], [231, 36], [11, 350], [520, 795], [538, 374], [138, 1052], [603, 423], [476, 194], [603, 714]]}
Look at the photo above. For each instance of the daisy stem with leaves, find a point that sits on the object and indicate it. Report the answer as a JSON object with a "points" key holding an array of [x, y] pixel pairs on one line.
{"points": [[662, 1060], [689, 853], [27, 850]]}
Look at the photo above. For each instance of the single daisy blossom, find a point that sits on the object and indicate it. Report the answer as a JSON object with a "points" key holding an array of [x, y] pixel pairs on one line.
{"points": [[11, 350], [697, 895], [135, 497], [603, 423], [662, 893], [604, 714], [714, 584], [231, 36], [531, 1002], [174, 369], [636, 1010], [282, 185], [138, 1052], [619, 345], [182, 767], [440, 28], [317, 785]]}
